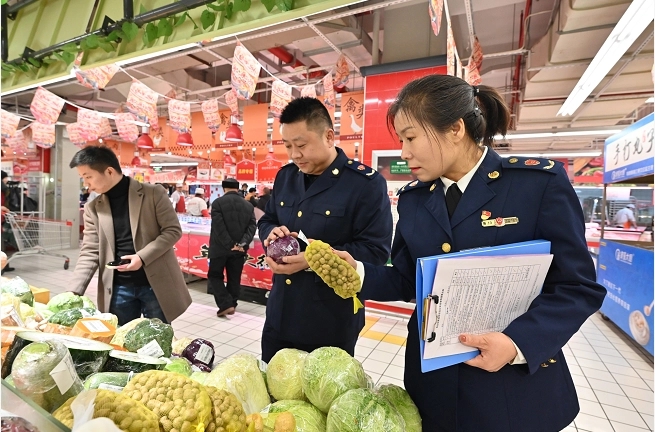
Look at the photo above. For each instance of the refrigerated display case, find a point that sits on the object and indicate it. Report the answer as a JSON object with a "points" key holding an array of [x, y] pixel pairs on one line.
{"points": [[13, 402]]}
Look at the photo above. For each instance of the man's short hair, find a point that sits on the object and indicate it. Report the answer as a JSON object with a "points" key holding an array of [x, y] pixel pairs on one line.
{"points": [[307, 109], [98, 158]]}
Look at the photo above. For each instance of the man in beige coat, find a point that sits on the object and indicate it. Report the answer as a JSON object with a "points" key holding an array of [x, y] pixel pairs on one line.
{"points": [[133, 223]]}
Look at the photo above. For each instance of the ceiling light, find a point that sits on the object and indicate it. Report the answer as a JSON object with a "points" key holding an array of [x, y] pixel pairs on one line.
{"points": [[633, 22], [158, 53], [167, 164], [650, 100], [591, 153], [233, 133], [567, 133], [185, 140], [144, 141], [44, 83]]}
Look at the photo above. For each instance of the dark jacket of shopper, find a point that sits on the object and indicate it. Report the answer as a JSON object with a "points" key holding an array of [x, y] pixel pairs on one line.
{"points": [[233, 223]]}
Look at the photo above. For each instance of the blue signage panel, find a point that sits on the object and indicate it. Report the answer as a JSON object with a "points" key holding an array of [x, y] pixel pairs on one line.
{"points": [[629, 153], [627, 273]]}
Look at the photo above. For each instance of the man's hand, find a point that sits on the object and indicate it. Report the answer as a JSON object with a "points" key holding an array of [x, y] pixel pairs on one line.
{"points": [[134, 265], [238, 248], [278, 232], [346, 257], [496, 350], [292, 264]]}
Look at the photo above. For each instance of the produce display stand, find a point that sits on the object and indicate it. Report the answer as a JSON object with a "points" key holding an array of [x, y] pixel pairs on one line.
{"points": [[16, 403], [625, 267]]}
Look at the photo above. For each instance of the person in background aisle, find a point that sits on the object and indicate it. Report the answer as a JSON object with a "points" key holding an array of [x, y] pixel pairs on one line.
{"points": [[134, 222], [467, 196], [8, 239], [244, 190], [329, 197], [177, 198], [625, 218], [197, 204], [263, 199], [252, 196], [233, 228]]}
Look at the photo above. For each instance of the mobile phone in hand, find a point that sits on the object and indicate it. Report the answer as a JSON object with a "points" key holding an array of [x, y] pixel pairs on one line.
{"points": [[116, 264]]}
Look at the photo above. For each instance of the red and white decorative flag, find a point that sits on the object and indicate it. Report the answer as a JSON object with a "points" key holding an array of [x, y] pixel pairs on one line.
{"points": [[74, 135], [450, 51], [17, 143], [232, 102], [43, 135], [9, 124], [96, 78], [105, 128], [210, 114], [179, 115], [142, 101], [308, 91], [328, 92], [88, 122], [343, 72], [472, 75], [46, 106], [436, 10], [127, 130], [245, 72], [280, 97], [476, 54]]}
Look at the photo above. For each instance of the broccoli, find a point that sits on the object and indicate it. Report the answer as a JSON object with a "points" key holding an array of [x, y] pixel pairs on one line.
{"points": [[147, 331]]}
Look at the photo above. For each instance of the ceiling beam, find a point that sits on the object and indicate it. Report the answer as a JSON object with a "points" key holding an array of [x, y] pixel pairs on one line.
{"points": [[326, 50]]}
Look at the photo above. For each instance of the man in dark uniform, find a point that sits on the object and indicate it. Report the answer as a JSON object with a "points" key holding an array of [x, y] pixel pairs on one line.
{"points": [[330, 198]]}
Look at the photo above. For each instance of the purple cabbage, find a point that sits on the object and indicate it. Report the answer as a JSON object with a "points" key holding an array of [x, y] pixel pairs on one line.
{"points": [[284, 246], [199, 351]]}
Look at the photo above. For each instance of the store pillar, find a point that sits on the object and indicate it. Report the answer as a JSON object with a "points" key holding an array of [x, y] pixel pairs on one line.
{"points": [[63, 196]]}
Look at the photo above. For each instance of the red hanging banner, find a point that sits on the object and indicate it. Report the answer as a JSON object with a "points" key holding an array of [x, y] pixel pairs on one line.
{"points": [[88, 122], [245, 72], [96, 78], [211, 115], [179, 115], [232, 102], [127, 130], [74, 135], [9, 124], [343, 72], [142, 102], [267, 170], [17, 143], [43, 135], [46, 106], [329, 99], [246, 170], [436, 10], [450, 51], [105, 128], [280, 97]]}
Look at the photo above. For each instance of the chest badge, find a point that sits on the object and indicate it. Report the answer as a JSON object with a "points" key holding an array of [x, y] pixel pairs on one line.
{"points": [[335, 171], [513, 160], [486, 214], [361, 167], [494, 175], [532, 162], [414, 183], [500, 222]]}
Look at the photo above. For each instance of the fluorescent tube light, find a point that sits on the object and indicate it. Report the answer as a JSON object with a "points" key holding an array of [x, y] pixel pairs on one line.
{"points": [[535, 135], [633, 22], [40, 84], [650, 100], [169, 164], [155, 54], [591, 153]]}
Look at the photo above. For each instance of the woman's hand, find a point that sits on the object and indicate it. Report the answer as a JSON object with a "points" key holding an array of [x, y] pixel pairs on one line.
{"points": [[496, 350], [292, 264], [346, 257], [278, 232]]}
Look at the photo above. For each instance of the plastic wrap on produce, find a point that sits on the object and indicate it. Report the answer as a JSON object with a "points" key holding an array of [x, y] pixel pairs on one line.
{"points": [[200, 351], [241, 376], [14, 423], [362, 410], [150, 337], [400, 399], [44, 372], [308, 417], [119, 337], [284, 375], [328, 373], [19, 288], [64, 301]]}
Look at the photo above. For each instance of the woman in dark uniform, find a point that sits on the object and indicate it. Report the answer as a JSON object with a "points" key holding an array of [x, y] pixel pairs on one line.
{"points": [[520, 380]]}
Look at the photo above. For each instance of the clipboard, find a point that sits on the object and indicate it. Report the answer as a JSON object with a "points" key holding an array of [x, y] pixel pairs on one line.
{"points": [[426, 269]]}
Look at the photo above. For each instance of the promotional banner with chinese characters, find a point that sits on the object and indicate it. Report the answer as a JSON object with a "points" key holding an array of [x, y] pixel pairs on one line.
{"points": [[629, 154]]}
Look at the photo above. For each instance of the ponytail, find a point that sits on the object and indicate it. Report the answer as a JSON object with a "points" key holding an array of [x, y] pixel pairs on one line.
{"points": [[495, 114]]}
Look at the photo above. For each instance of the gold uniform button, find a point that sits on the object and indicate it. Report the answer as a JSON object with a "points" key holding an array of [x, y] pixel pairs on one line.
{"points": [[299, 214], [445, 247], [350, 162], [335, 171], [544, 365], [288, 281], [432, 187], [551, 361], [281, 203], [327, 212]]}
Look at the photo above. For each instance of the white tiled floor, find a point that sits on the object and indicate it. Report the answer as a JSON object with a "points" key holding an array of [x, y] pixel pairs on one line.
{"points": [[614, 381]]}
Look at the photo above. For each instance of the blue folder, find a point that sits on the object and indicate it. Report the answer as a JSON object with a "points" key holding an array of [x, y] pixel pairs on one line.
{"points": [[426, 269]]}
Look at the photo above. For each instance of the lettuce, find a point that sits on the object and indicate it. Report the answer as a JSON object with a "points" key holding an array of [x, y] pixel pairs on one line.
{"points": [[284, 375], [362, 410], [400, 400]]}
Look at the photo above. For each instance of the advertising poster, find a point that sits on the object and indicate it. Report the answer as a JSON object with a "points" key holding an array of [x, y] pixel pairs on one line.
{"points": [[198, 254], [588, 170], [627, 273], [629, 154], [181, 249], [245, 170]]}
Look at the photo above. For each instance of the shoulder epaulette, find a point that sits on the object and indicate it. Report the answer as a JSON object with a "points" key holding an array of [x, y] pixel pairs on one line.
{"points": [[531, 163], [413, 185], [362, 169]]}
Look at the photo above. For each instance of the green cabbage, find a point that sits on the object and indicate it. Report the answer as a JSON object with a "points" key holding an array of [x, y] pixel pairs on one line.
{"points": [[328, 373], [69, 317], [179, 365], [147, 331], [240, 375], [308, 417], [122, 331], [283, 375], [63, 301], [19, 288], [43, 310], [87, 303], [199, 376], [400, 400], [362, 410]]}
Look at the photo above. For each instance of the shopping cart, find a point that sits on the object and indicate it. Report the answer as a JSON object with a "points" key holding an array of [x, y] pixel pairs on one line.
{"points": [[38, 236]]}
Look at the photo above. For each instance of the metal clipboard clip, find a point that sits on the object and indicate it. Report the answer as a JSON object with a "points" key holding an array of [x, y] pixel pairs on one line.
{"points": [[426, 313]]}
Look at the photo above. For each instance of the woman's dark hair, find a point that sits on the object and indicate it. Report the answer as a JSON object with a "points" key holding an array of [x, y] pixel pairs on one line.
{"points": [[438, 101], [98, 158], [307, 109]]}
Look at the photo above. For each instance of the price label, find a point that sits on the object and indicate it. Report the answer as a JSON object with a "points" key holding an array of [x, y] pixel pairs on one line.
{"points": [[96, 326], [64, 374], [151, 349], [204, 354]]}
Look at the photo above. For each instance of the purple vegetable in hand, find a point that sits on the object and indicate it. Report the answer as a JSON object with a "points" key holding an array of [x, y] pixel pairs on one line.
{"points": [[284, 246], [199, 351]]}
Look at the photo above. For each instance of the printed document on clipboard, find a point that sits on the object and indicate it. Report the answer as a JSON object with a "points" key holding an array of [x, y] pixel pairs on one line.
{"points": [[474, 291]]}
